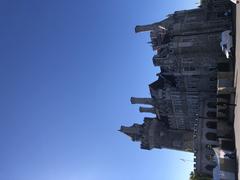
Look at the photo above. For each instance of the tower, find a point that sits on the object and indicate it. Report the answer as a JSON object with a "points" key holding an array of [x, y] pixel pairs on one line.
{"points": [[154, 133]]}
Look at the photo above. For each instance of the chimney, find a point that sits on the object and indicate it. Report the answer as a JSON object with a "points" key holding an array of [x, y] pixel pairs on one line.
{"points": [[151, 27], [148, 101], [147, 110], [143, 28]]}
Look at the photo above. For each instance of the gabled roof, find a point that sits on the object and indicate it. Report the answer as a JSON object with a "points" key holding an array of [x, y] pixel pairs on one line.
{"points": [[158, 84], [162, 80]]}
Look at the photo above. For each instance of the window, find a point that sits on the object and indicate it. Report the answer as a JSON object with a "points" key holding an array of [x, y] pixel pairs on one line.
{"points": [[221, 14], [211, 104], [171, 51], [189, 68], [211, 124], [178, 102], [211, 136], [209, 167], [187, 39], [178, 109], [187, 60], [213, 79], [212, 68], [191, 18], [196, 77], [211, 114]]}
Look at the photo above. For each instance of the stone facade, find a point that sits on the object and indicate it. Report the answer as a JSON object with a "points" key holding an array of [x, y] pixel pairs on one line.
{"points": [[184, 98], [155, 134]]}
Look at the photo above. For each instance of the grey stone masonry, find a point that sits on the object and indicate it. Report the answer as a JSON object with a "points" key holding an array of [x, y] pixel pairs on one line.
{"points": [[184, 96]]}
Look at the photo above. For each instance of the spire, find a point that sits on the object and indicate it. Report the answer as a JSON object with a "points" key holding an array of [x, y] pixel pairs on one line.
{"points": [[148, 101], [147, 110], [135, 131]]}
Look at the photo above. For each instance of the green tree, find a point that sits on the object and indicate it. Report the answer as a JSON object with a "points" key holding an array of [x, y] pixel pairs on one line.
{"points": [[196, 176]]}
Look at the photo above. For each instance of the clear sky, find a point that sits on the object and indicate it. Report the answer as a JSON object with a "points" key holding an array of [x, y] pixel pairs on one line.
{"points": [[67, 72]]}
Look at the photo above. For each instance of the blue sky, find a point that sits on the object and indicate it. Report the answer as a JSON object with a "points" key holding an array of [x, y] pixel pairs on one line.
{"points": [[67, 72]]}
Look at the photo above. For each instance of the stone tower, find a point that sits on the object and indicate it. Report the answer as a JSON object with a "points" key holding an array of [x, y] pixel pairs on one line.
{"points": [[154, 133]]}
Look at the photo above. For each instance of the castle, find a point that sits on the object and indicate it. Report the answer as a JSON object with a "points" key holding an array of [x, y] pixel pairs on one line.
{"points": [[185, 97]]}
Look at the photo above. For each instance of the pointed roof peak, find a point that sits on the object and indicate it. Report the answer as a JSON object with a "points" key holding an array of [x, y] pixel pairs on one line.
{"points": [[135, 131]]}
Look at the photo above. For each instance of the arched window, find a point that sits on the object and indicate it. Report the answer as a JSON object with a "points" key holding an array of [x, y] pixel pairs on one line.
{"points": [[211, 104], [209, 167], [211, 136], [211, 114], [212, 125]]}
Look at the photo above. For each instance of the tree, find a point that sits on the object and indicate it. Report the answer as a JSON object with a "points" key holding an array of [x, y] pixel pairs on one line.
{"points": [[196, 176]]}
